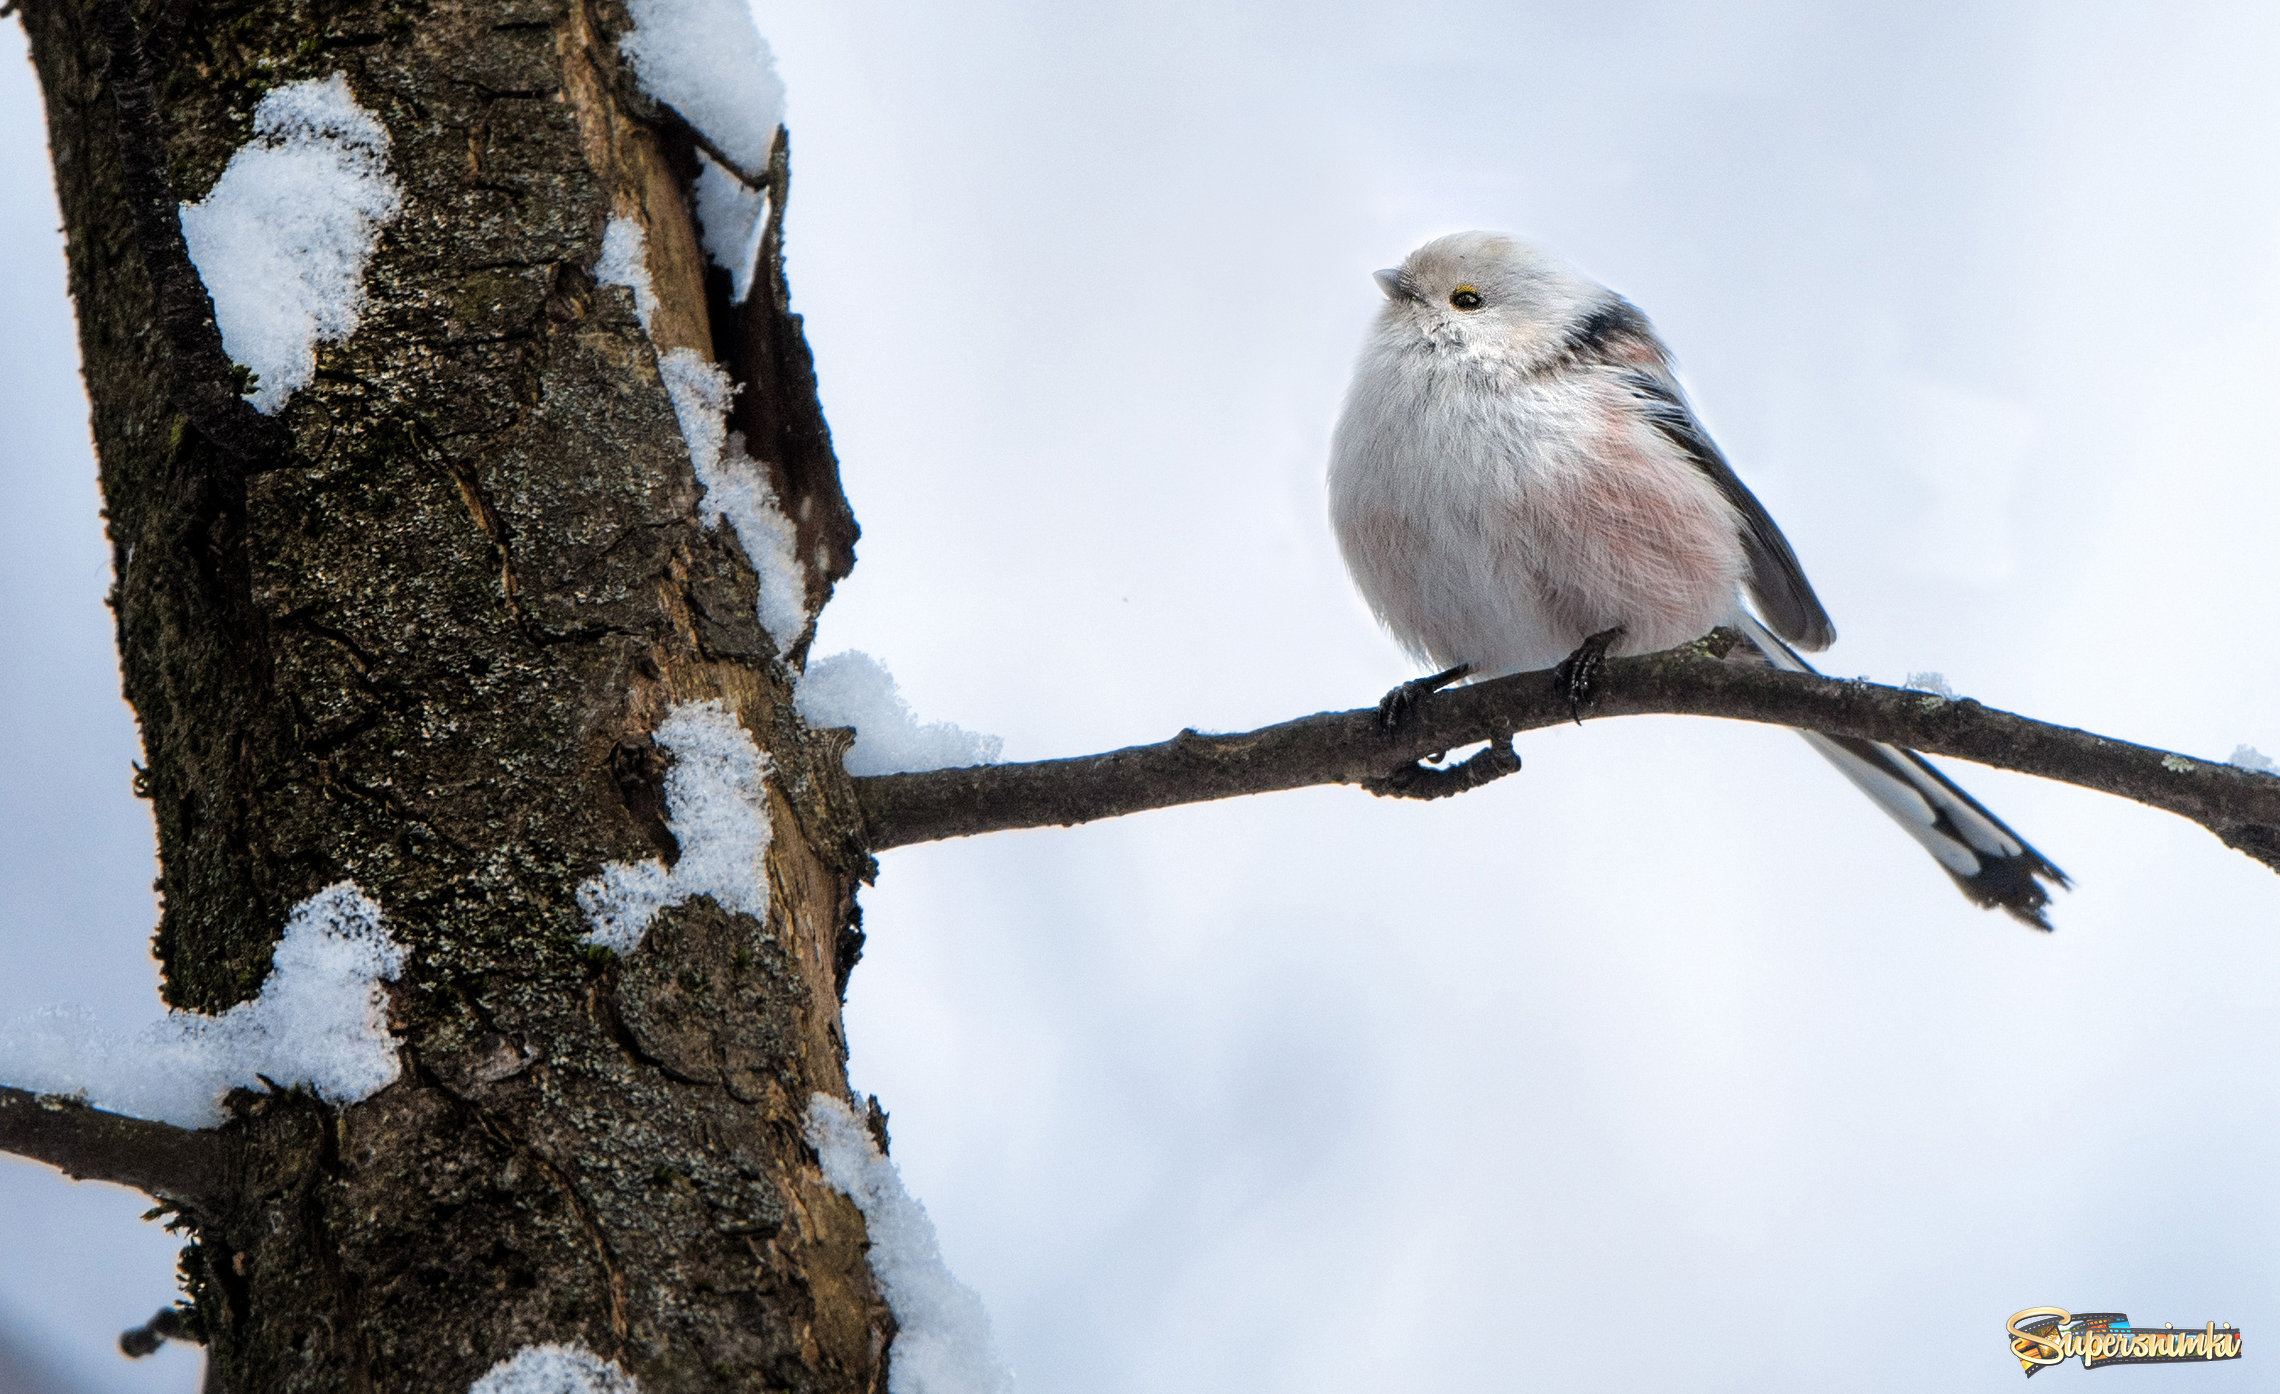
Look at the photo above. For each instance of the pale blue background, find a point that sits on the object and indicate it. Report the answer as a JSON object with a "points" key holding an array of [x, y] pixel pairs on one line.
{"points": [[1597, 1079]]}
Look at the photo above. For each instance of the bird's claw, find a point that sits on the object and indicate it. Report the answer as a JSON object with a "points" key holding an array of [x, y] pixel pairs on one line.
{"points": [[1396, 708], [1579, 671]]}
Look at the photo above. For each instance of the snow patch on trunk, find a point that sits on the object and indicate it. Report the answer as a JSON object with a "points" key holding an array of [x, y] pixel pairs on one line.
{"points": [[321, 1021], [555, 1369], [283, 238], [625, 262], [855, 689], [707, 61], [735, 485], [736, 489], [942, 1342], [716, 804]]}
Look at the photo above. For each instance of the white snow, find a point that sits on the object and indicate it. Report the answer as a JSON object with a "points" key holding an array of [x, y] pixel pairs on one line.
{"points": [[555, 1369], [1933, 683], [706, 60], [320, 1021], [625, 262], [2248, 757], [734, 218], [735, 486], [942, 1342], [716, 805], [283, 238], [855, 689], [736, 489]]}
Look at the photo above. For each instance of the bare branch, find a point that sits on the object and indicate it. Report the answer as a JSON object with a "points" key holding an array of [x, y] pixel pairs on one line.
{"points": [[185, 1166], [2239, 806]]}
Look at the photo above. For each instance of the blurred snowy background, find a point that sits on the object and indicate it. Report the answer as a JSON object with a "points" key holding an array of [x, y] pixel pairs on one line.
{"points": [[1666, 1064]]}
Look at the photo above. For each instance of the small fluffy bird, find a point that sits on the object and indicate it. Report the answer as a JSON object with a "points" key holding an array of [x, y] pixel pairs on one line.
{"points": [[1517, 479]]}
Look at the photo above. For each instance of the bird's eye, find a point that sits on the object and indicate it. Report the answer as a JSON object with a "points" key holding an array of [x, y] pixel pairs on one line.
{"points": [[1465, 298]]}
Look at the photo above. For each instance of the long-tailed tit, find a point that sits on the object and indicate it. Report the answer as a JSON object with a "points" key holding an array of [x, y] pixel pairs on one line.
{"points": [[1517, 479]]}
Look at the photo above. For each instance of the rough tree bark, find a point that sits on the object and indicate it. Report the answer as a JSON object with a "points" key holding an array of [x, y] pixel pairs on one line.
{"points": [[415, 633]]}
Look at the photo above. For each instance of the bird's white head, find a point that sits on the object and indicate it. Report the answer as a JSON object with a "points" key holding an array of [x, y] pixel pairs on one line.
{"points": [[1488, 294]]}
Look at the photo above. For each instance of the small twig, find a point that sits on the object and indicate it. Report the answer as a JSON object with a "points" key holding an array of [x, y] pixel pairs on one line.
{"points": [[166, 1324], [2239, 806], [757, 183], [188, 1167]]}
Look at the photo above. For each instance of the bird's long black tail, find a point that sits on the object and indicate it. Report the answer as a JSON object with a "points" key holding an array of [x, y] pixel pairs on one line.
{"points": [[1992, 865]]}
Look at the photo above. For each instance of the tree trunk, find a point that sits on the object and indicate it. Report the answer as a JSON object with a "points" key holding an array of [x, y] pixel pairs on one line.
{"points": [[416, 636]]}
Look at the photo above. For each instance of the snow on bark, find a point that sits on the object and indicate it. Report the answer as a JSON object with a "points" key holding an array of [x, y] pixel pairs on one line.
{"points": [[716, 806], [706, 60], [625, 262], [855, 689], [283, 238], [733, 217], [736, 488], [942, 1339], [555, 1369], [320, 1021]]}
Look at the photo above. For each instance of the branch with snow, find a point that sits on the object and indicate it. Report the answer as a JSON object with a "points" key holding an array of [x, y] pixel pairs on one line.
{"points": [[2237, 801], [136, 1109], [855, 689], [319, 1022]]}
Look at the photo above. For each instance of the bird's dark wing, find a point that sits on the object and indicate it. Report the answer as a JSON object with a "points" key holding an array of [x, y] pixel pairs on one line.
{"points": [[1776, 581], [1618, 336]]}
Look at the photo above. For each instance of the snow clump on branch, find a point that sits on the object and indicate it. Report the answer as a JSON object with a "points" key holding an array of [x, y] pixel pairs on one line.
{"points": [[736, 487], [321, 1021], [942, 1339], [716, 804], [707, 61], [855, 689], [283, 238], [2248, 757], [555, 1369]]}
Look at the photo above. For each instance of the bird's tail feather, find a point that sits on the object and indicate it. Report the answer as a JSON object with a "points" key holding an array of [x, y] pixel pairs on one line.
{"points": [[1991, 864]]}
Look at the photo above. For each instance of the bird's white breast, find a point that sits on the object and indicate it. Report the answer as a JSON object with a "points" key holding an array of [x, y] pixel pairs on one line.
{"points": [[1499, 517]]}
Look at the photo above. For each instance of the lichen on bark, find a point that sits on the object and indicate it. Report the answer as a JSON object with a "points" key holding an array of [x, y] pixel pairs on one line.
{"points": [[412, 650]]}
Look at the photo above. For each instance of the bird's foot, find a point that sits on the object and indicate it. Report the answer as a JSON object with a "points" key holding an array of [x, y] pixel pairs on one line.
{"points": [[1579, 671], [1396, 708]]}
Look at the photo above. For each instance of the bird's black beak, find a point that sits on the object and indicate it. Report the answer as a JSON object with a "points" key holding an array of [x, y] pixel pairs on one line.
{"points": [[1394, 284]]}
